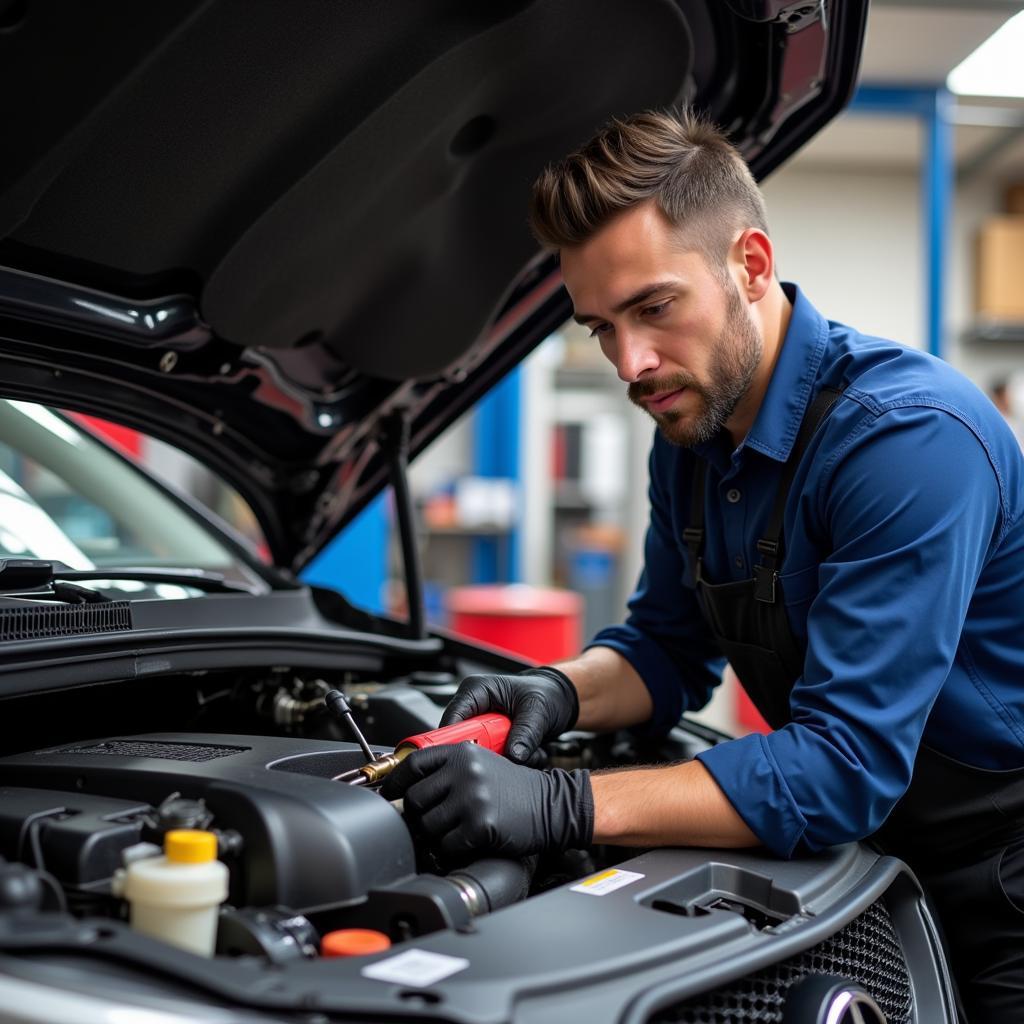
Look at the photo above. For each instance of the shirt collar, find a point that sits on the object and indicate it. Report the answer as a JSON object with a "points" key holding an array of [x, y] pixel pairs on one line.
{"points": [[792, 382]]}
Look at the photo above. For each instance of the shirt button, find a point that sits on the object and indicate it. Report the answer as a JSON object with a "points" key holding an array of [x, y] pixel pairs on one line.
{"points": [[732, 496], [738, 562]]}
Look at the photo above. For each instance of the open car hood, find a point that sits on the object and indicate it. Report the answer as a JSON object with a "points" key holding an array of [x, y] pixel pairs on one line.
{"points": [[270, 233]]}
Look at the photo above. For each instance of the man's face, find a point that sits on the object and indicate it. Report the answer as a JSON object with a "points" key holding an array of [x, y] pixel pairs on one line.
{"points": [[677, 331]]}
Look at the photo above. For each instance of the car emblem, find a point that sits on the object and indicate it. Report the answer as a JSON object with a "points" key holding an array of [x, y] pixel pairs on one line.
{"points": [[826, 999], [851, 1006]]}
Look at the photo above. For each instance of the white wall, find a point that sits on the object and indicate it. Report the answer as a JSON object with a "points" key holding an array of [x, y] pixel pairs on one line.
{"points": [[448, 457], [852, 240]]}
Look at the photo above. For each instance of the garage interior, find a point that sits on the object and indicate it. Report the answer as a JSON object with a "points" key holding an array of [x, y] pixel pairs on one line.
{"points": [[207, 712]]}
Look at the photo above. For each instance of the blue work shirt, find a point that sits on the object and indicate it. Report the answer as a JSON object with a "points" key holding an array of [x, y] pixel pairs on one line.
{"points": [[903, 575]]}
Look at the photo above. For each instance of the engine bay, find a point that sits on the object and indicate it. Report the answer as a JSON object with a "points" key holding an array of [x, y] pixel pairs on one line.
{"points": [[306, 854]]}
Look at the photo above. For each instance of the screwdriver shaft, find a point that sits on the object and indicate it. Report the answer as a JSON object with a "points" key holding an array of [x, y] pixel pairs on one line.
{"points": [[337, 703]]}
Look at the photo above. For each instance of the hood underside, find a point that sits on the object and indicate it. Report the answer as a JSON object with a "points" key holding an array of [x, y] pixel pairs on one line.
{"points": [[264, 231]]}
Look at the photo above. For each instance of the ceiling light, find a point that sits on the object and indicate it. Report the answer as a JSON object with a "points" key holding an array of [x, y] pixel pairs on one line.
{"points": [[995, 68]]}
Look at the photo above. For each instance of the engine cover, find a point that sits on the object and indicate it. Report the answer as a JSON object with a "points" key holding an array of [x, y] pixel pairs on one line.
{"points": [[306, 841]]}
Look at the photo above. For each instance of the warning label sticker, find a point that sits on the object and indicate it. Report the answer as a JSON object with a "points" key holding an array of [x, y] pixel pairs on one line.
{"points": [[607, 881], [417, 968]]}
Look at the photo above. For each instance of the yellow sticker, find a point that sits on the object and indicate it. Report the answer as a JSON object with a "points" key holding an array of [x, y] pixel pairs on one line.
{"points": [[606, 882]]}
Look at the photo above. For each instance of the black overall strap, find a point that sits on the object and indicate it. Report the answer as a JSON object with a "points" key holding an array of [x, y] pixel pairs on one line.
{"points": [[771, 546], [693, 534]]}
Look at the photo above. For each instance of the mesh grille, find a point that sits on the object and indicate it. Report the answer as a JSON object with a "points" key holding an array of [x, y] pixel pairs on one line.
{"points": [[37, 623], [147, 748], [866, 951]]}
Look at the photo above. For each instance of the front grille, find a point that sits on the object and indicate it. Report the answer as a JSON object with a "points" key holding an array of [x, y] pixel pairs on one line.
{"points": [[150, 748], [40, 622], [866, 951]]}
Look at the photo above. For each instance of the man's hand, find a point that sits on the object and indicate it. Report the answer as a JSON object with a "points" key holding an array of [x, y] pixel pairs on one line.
{"points": [[541, 702], [466, 799]]}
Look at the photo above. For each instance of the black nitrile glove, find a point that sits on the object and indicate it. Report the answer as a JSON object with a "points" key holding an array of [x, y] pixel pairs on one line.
{"points": [[466, 799], [541, 702]]}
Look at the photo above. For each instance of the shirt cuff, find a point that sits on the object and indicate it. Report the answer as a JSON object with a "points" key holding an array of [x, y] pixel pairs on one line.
{"points": [[656, 671], [746, 772]]}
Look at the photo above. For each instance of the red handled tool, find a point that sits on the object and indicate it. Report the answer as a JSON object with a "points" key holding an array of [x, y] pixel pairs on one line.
{"points": [[490, 731]]}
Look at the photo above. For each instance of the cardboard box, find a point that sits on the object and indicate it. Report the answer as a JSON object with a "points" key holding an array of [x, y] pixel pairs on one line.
{"points": [[1000, 270], [1015, 197]]}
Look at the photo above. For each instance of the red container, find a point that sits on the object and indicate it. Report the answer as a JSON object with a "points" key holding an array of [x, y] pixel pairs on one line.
{"points": [[533, 622], [748, 717]]}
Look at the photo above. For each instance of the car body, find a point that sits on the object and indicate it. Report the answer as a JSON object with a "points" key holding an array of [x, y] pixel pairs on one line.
{"points": [[290, 240]]}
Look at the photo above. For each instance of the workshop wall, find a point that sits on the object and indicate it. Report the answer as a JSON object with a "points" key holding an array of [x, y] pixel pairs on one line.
{"points": [[852, 240]]}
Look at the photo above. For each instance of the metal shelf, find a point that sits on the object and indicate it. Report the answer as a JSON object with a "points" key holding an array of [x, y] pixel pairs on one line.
{"points": [[464, 531], [989, 332]]}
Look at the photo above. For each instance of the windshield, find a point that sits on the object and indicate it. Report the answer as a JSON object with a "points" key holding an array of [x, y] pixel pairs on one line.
{"points": [[66, 496]]}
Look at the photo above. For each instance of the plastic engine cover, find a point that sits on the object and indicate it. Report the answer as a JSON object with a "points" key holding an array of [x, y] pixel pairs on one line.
{"points": [[306, 841]]}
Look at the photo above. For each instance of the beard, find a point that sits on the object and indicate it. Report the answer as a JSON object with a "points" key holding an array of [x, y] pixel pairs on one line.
{"points": [[736, 355]]}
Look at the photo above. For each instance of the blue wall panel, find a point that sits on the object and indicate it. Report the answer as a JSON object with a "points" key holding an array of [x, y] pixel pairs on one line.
{"points": [[496, 454], [355, 562], [933, 106]]}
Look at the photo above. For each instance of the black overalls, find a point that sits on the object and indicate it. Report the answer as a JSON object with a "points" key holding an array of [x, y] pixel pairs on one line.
{"points": [[960, 828]]}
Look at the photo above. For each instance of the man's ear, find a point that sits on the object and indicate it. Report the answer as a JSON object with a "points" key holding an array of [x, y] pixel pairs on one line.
{"points": [[753, 256]]}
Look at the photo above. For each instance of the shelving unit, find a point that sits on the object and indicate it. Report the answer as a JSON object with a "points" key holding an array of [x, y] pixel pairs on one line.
{"points": [[552, 540], [1012, 334]]}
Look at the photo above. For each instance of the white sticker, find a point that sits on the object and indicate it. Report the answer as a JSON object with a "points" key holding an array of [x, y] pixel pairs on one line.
{"points": [[417, 968], [606, 882]]}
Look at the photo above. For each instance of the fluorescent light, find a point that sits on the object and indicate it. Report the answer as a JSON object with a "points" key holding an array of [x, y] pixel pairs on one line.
{"points": [[995, 68]]}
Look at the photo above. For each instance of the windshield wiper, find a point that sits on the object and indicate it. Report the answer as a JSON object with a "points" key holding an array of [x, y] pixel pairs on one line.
{"points": [[20, 574]]}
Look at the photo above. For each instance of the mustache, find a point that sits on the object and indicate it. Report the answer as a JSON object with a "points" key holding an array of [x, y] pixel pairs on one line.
{"points": [[641, 389]]}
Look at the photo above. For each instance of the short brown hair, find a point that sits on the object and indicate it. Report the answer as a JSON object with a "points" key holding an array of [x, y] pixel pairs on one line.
{"points": [[680, 160]]}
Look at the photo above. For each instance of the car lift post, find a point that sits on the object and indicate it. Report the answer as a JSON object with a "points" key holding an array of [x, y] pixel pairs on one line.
{"points": [[934, 107]]}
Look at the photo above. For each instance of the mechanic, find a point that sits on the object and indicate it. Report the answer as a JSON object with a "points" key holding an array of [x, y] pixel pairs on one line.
{"points": [[838, 515]]}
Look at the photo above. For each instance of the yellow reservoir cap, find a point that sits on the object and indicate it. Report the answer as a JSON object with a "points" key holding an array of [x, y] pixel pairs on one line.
{"points": [[190, 846]]}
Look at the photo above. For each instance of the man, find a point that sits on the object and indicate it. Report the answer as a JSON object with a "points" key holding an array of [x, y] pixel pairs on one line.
{"points": [[838, 515]]}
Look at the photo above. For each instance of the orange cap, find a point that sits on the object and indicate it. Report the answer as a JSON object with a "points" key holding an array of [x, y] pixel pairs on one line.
{"points": [[353, 942]]}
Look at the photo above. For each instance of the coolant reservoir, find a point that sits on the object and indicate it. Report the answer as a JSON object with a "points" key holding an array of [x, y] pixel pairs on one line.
{"points": [[175, 897]]}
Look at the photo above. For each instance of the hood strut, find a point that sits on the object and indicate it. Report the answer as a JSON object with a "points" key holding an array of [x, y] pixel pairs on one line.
{"points": [[395, 443]]}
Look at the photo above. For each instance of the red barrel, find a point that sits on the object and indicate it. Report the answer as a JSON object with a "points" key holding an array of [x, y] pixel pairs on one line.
{"points": [[533, 622]]}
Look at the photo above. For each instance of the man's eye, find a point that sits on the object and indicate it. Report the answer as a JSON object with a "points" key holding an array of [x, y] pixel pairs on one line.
{"points": [[600, 329], [657, 309]]}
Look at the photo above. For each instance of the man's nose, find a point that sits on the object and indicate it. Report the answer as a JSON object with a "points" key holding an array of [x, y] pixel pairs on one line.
{"points": [[633, 356]]}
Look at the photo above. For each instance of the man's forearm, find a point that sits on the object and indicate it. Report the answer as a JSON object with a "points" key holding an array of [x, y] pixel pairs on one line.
{"points": [[678, 805], [612, 695]]}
